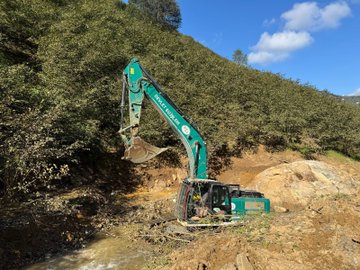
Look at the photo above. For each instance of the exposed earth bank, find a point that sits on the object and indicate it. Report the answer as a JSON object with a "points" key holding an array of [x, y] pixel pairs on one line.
{"points": [[314, 223]]}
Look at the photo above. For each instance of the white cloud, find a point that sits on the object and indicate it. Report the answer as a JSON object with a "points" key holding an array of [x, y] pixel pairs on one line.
{"points": [[308, 16], [302, 19], [283, 41], [356, 93], [261, 57], [278, 46], [301, 16]]}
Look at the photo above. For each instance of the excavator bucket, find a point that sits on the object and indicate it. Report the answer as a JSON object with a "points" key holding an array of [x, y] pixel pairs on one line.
{"points": [[140, 151]]}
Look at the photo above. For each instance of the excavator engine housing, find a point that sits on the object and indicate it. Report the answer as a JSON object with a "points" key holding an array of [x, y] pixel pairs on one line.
{"points": [[205, 202]]}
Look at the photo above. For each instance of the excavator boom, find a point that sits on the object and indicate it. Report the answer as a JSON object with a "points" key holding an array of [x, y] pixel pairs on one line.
{"points": [[198, 197], [140, 84]]}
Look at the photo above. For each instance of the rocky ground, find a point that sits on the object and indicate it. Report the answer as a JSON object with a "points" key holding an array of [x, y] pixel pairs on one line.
{"points": [[323, 236], [314, 223]]}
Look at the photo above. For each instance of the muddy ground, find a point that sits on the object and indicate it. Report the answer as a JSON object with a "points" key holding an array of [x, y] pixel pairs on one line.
{"points": [[323, 235]]}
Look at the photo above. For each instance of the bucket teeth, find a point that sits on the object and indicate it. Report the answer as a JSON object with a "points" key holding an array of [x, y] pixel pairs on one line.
{"points": [[140, 151]]}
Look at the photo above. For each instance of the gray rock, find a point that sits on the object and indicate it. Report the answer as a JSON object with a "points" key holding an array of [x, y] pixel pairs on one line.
{"points": [[298, 183]]}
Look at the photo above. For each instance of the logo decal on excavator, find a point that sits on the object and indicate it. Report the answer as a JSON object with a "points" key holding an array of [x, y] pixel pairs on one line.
{"points": [[167, 110], [185, 130], [233, 206]]}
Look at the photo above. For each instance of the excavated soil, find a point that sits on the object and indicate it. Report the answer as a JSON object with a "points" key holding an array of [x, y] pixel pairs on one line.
{"points": [[324, 236], [321, 233], [97, 228], [243, 170]]}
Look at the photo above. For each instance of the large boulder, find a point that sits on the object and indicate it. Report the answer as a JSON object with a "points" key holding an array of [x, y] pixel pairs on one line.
{"points": [[296, 184]]}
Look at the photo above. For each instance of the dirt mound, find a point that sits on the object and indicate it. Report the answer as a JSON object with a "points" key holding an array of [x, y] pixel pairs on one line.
{"points": [[213, 252], [244, 170], [298, 183], [323, 236]]}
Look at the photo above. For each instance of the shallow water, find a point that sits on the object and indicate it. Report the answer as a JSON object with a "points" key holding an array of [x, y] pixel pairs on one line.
{"points": [[110, 251]]}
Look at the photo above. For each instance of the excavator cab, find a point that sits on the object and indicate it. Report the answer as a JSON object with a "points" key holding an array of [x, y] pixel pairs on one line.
{"points": [[200, 200], [212, 203]]}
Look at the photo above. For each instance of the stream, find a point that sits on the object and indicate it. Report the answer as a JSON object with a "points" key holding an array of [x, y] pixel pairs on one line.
{"points": [[113, 250]]}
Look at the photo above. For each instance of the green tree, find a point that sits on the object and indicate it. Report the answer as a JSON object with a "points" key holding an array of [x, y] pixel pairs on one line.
{"points": [[240, 58], [59, 92], [164, 11], [22, 24]]}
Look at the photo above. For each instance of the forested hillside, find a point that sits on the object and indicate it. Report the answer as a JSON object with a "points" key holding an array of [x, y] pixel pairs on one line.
{"points": [[60, 84]]}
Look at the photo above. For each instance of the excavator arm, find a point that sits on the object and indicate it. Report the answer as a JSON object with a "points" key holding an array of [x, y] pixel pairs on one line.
{"points": [[140, 84], [198, 197]]}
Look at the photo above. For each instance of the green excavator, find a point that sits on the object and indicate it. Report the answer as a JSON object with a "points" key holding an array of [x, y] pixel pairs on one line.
{"points": [[200, 201]]}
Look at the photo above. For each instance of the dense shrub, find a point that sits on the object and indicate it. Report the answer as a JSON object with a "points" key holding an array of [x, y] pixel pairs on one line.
{"points": [[61, 64]]}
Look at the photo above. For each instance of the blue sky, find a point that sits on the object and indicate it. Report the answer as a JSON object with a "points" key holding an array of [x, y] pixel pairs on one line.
{"points": [[316, 42]]}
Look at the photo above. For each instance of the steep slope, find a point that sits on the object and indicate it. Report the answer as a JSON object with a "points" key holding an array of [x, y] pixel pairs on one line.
{"points": [[65, 93], [224, 100]]}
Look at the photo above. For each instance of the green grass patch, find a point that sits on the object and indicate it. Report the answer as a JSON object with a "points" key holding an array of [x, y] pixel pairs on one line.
{"points": [[338, 156]]}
